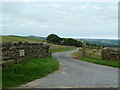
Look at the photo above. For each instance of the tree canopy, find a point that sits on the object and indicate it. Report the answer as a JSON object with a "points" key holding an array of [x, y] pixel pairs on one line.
{"points": [[53, 38], [72, 42]]}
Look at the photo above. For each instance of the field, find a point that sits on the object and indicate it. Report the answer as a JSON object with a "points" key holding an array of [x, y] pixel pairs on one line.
{"points": [[61, 48], [19, 39], [28, 70]]}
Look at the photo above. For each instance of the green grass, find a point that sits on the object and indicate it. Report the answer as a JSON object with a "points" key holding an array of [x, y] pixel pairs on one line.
{"points": [[75, 54], [61, 48], [19, 39], [28, 70], [101, 62]]}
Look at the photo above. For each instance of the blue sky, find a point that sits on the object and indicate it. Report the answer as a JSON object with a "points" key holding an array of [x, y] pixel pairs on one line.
{"points": [[66, 19]]}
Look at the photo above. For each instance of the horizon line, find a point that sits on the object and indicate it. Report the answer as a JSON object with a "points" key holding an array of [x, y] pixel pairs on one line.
{"points": [[70, 37]]}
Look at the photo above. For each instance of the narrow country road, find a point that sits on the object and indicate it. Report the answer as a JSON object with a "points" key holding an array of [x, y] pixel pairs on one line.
{"points": [[74, 73]]}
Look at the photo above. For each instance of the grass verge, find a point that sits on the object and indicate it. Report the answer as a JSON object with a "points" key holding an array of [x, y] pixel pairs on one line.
{"points": [[75, 54], [101, 62], [28, 70]]}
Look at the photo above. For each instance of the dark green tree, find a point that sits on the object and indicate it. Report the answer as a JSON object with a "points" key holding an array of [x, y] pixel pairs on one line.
{"points": [[72, 42], [53, 38]]}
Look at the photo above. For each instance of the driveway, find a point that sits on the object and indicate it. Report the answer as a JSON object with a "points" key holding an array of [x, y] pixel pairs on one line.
{"points": [[74, 73]]}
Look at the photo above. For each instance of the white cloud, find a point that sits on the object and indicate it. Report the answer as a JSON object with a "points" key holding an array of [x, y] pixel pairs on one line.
{"points": [[40, 5], [113, 7], [5, 18], [10, 24], [43, 25], [36, 25], [55, 5], [98, 8], [82, 7], [28, 23], [0, 25], [56, 11]]}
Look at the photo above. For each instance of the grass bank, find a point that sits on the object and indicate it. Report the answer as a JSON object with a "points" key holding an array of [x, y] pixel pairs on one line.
{"points": [[101, 62], [28, 70], [19, 39]]}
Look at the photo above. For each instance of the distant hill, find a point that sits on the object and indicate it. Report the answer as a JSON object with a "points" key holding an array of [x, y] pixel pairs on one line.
{"points": [[104, 42], [42, 38], [12, 38]]}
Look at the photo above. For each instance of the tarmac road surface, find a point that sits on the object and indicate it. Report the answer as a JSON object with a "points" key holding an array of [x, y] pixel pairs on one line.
{"points": [[74, 73]]}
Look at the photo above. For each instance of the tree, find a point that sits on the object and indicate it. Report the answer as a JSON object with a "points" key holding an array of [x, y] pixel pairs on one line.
{"points": [[72, 42], [53, 38]]}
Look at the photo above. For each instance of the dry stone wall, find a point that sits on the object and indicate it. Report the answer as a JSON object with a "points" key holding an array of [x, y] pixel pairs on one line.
{"points": [[20, 51], [111, 54], [99, 52]]}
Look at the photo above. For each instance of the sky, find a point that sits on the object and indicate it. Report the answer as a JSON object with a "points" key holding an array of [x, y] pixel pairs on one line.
{"points": [[66, 19]]}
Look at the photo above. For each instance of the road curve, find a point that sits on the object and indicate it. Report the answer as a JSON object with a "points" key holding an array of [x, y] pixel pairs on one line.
{"points": [[74, 73]]}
